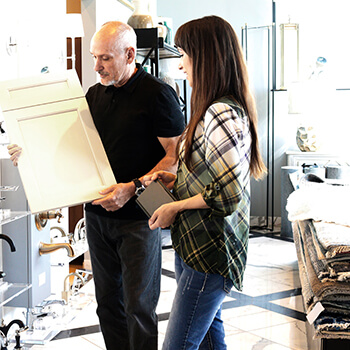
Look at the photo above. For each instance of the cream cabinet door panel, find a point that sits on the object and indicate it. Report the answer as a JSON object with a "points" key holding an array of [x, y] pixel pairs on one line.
{"points": [[44, 88], [63, 162]]}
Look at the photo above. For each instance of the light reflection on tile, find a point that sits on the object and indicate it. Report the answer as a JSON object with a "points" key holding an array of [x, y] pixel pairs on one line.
{"points": [[70, 343], [162, 327], [168, 259], [229, 330], [241, 311], [96, 339], [291, 335], [86, 317], [290, 278], [255, 286], [247, 341], [258, 320]]}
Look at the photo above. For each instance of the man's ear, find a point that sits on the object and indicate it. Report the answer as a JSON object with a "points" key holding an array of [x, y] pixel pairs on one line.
{"points": [[131, 53]]}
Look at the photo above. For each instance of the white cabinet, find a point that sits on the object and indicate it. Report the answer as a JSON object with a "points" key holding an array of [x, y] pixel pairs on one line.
{"points": [[295, 158]]}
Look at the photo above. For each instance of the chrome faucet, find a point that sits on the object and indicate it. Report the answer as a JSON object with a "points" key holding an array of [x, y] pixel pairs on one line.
{"points": [[40, 311], [45, 303], [46, 248], [79, 229], [9, 241]]}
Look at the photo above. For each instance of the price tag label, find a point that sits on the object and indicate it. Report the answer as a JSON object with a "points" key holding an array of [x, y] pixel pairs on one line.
{"points": [[315, 312]]}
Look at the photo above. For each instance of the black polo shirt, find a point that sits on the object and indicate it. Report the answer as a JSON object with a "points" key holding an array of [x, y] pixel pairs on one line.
{"points": [[129, 119]]}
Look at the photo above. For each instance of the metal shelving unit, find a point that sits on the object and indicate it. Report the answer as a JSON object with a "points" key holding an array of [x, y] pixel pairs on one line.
{"points": [[153, 49], [14, 215], [9, 291]]}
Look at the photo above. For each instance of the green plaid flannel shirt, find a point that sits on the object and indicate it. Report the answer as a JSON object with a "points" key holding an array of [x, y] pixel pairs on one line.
{"points": [[215, 240]]}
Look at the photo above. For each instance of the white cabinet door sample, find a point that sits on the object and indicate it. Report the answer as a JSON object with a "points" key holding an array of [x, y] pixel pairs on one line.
{"points": [[63, 162], [45, 88]]}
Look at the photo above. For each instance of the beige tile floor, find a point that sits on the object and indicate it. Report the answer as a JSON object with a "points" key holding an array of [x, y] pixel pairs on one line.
{"points": [[266, 315]]}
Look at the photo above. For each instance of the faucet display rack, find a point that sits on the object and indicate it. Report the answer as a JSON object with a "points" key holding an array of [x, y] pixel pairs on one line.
{"points": [[14, 215], [9, 291], [24, 265], [80, 248], [70, 311]]}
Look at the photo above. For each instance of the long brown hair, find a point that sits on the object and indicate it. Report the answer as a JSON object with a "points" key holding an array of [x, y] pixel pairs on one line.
{"points": [[218, 70]]}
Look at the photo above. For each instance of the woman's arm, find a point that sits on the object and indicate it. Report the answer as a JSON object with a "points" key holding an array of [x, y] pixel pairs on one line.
{"points": [[227, 156]]}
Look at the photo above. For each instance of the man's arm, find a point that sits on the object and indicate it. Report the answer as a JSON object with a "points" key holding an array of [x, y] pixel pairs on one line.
{"points": [[117, 195], [169, 161]]}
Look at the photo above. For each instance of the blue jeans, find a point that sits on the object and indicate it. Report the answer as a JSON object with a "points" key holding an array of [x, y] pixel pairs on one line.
{"points": [[195, 318], [126, 264]]}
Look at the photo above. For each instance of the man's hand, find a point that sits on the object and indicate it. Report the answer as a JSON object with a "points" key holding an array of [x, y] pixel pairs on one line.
{"points": [[116, 196], [14, 151]]}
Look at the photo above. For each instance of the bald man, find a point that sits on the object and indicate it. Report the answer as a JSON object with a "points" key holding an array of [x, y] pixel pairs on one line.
{"points": [[139, 120]]}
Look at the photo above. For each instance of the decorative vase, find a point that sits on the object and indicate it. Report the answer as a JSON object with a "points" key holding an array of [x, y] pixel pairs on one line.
{"points": [[141, 17], [307, 139]]}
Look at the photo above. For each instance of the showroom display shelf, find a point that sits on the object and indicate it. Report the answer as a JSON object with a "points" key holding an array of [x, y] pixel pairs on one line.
{"points": [[9, 291]]}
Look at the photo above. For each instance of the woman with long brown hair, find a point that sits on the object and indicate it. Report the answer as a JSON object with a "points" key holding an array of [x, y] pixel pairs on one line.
{"points": [[218, 152]]}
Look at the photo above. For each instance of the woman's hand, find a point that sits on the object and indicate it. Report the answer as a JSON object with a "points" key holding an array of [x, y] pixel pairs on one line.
{"points": [[14, 151], [164, 216], [167, 178]]}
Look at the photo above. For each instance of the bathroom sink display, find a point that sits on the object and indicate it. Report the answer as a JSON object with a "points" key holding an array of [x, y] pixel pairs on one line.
{"points": [[47, 327]]}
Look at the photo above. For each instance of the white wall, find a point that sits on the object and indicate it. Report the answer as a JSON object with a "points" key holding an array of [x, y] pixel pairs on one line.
{"points": [[95, 13], [31, 37], [36, 30], [324, 31]]}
